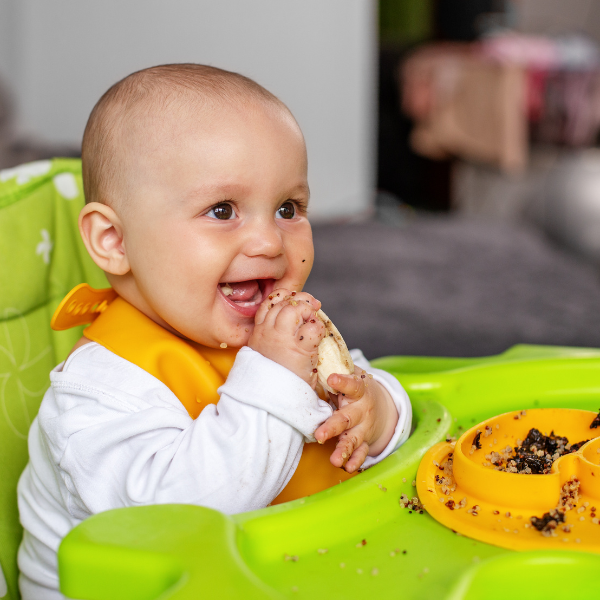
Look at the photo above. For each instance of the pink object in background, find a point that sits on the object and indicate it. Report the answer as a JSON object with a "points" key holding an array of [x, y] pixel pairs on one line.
{"points": [[466, 104]]}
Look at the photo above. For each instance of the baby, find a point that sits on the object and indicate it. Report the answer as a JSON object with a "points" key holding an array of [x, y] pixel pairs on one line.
{"points": [[196, 187]]}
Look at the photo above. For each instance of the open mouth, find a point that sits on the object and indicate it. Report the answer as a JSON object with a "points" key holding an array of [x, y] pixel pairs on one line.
{"points": [[246, 296]]}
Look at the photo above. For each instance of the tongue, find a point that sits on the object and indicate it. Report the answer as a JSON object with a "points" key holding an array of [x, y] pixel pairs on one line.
{"points": [[243, 291]]}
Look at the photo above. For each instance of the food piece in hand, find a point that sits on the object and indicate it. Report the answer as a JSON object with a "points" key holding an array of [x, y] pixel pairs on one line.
{"points": [[333, 356]]}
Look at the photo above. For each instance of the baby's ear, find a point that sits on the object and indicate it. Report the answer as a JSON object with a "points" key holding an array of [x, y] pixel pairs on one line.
{"points": [[102, 234]]}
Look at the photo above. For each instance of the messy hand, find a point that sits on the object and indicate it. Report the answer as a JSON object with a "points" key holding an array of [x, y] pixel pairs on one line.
{"points": [[365, 420], [288, 332]]}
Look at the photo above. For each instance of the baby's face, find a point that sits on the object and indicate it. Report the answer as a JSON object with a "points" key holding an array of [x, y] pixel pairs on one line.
{"points": [[217, 220]]}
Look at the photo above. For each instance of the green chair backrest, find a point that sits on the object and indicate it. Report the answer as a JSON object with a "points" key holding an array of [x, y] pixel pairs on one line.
{"points": [[41, 258]]}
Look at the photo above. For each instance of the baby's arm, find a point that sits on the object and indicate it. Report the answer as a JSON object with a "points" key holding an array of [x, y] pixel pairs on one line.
{"points": [[374, 419], [131, 442]]}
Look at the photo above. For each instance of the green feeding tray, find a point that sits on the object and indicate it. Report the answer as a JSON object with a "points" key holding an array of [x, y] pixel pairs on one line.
{"points": [[351, 541], [354, 540]]}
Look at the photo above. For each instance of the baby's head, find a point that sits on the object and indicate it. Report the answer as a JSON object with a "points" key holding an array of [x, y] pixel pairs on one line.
{"points": [[196, 178]]}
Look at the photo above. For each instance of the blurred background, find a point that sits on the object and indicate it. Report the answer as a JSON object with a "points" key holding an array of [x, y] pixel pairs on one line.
{"points": [[453, 145]]}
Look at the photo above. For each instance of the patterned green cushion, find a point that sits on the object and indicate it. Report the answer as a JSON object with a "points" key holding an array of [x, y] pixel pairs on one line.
{"points": [[41, 258]]}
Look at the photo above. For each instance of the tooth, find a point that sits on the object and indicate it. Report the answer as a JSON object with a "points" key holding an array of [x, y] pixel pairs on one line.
{"points": [[227, 291], [333, 355]]}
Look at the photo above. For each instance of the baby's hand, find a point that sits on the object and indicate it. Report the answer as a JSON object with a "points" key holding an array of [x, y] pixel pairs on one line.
{"points": [[288, 332], [365, 422]]}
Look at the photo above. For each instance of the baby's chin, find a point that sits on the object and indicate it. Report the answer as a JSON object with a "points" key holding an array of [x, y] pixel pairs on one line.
{"points": [[235, 337]]}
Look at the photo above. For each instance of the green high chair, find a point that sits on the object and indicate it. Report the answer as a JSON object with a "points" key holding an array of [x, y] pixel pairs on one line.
{"points": [[350, 541], [41, 258]]}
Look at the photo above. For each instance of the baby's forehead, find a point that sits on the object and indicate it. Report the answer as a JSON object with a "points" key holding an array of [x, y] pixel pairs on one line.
{"points": [[168, 120], [161, 147]]}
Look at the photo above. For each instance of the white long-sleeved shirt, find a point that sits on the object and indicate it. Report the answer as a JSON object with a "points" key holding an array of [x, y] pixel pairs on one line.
{"points": [[109, 435]]}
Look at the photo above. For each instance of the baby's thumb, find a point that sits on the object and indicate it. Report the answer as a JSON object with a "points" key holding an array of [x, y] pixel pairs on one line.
{"points": [[352, 387]]}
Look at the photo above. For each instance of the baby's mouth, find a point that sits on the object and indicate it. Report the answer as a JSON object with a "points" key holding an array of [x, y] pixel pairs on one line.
{"points": [[246, 296]]}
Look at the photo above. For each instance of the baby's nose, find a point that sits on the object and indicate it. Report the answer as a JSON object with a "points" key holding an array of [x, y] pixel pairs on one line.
{"points": [[264, 240]]}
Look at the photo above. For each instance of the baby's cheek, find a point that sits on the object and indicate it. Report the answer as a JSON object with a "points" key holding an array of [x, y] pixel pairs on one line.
{"points": [[301, 258]]}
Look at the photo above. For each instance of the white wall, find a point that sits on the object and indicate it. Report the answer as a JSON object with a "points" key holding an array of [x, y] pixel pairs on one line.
{"points": [[318, 56]]}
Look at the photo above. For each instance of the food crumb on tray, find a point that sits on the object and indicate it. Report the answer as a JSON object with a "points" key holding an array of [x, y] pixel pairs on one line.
{"points": [[534, 455]]}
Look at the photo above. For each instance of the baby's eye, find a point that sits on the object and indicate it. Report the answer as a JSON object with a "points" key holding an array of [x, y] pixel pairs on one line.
{"points": [[286, 211], [222, 212]]}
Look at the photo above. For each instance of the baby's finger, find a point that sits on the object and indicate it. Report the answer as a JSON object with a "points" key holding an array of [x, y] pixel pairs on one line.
{"points": [[292, 316], [310, 333], [351, 386], [357, 459], [349, 441], [277, 305], [275, 297], [306, 297], [341, 420]]}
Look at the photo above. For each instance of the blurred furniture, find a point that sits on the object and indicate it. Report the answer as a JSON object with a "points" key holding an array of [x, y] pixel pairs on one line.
{"points": [[570, 212], [483, 101], [465, 105]]}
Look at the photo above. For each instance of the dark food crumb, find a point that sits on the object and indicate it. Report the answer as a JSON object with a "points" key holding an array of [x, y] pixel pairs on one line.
{"points": [[476, 441], [596, 421], [292, 558], [412, 504], [536, 454], [549, 521]]}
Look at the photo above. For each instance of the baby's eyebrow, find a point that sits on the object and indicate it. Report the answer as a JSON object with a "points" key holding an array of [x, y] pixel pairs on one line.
{"points": [[225, 191], [217, 190], [301, 188]]}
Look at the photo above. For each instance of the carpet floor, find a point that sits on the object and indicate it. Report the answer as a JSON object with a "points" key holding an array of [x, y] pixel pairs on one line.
{"points": [[450, 286]]}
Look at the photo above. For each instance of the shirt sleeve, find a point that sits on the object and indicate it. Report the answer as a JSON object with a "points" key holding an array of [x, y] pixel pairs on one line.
{"points": [[115, 448], [401, 400]]}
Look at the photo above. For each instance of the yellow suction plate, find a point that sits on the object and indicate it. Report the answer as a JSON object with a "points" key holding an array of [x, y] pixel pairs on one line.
{"points": [[497, 506]]}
